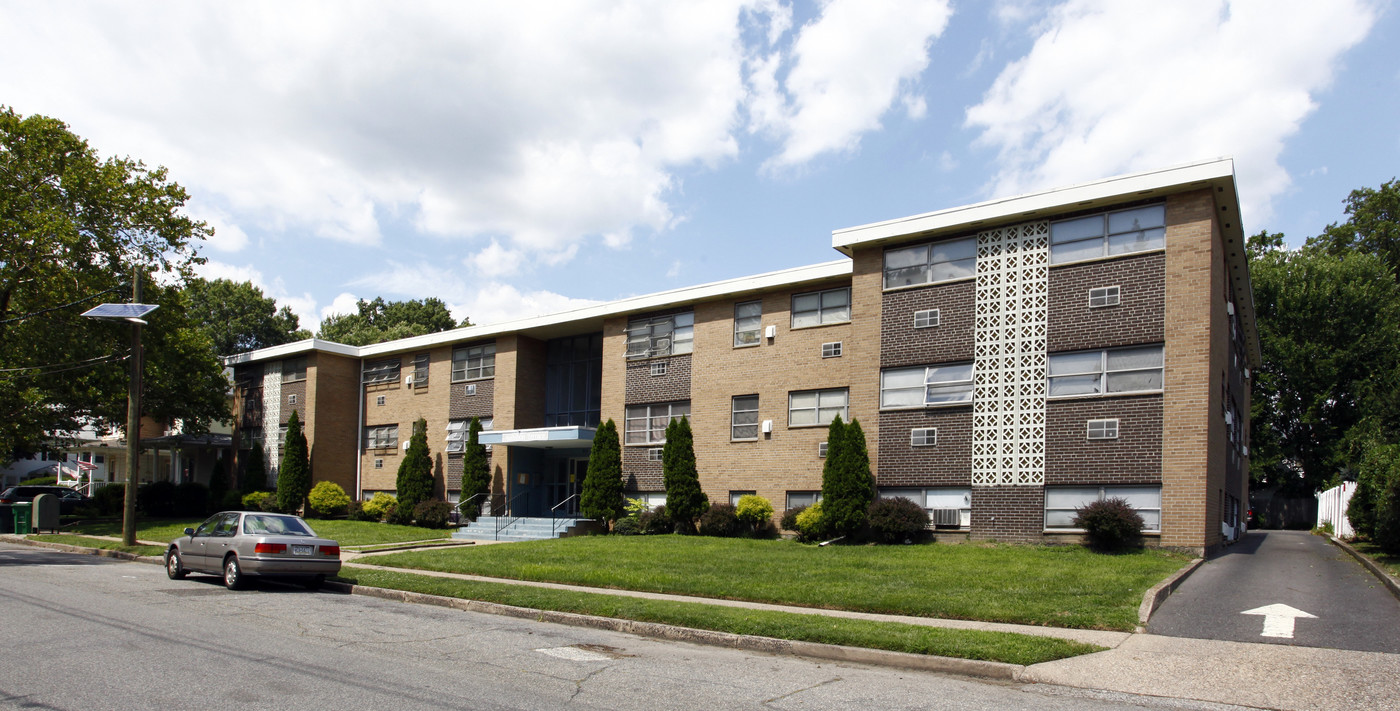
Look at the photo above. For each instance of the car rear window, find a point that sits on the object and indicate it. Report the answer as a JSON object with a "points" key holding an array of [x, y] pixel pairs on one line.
{"points": [[274, 525]]}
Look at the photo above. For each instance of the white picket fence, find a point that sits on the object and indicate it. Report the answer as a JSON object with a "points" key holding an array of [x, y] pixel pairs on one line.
{"points": [[1332, 506]]}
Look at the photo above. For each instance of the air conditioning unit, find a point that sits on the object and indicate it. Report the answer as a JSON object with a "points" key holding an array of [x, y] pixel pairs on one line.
{"points": [[405, 446], [945, 517], [408, 379], [767, 427], [770, 332]]}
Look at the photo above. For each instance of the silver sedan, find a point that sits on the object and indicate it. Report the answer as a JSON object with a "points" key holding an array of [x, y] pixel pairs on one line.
{"points": [[239, 544]]}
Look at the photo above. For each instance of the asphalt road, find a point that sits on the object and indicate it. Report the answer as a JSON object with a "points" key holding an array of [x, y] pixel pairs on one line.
{"points": [[87, 633], [1295, 568]]}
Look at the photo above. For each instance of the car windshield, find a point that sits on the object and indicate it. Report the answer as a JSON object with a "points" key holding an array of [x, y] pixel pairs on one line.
{"points": [[275, 525]]}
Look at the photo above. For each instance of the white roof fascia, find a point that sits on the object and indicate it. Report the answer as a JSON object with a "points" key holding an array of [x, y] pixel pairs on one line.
{"points": [[292, 349], [1013, 208]]}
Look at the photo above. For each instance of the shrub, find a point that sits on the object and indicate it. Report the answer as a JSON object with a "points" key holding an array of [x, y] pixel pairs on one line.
{"points": [[720, 521], [156, 499], [1109, 524], [110, 499], [355, 511], [627, 526], [432, 514], [896, 520], [232, 501], [415, 480], [379, 506], [847, 487], [294, 476], [789, 520], [257, 500], [400, 515], [255, 472], [754, 511], [218, 484], [655, 521], [809, 523], [476, 472], [40, 481], [191, 499], [684, 499], [602, 486], [327, 499]]}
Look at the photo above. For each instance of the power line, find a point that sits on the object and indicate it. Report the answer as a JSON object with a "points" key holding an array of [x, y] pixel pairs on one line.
{"points": [[61, 307], [62, 367]]}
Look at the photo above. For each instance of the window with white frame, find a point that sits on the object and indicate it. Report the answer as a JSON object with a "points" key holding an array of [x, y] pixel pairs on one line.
{"points": [[1103, 429], [743, 417], [294, 370], [812, 408], [1061, 502], [420, 371], [661, 335], [1115, 370], [802, 498], [652, 499], [378, 463], [926, 319], [382, 371], [1120, 232], [734, 496], [382, 437], [947, 507], [831, 350], [821, 450], [821, 307], [1103, 296], [379, 401], [474, 362], [748, 323], [926, 385], [646, 424], [656, 454], [929, 263], [459, 433], [291, 398], [660, 367], [923, 437]]}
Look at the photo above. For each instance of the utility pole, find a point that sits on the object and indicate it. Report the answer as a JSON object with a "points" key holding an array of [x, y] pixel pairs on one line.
{"points": [[133, 420]]}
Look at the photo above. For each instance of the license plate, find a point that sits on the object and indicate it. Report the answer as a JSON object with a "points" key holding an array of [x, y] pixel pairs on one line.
{"points": [[302, 550]]}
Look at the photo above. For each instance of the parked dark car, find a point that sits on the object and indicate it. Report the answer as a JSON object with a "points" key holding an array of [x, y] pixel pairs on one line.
{"points": [[68, 499], [239, 544]]}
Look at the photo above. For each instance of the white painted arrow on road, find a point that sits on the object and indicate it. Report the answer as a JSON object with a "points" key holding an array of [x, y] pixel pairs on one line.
{"points": [[1278, 619]]}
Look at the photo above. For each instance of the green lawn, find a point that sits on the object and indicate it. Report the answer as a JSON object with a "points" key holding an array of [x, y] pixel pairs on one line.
{"points": [[915, 639], [1061, 586], [1388, 562], [347, 533], [102, 543]]}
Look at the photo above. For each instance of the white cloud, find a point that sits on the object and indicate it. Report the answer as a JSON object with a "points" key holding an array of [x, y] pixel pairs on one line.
{"points": [[303, 305], [484, 303], [228, 236], [496, 261], [848, 67], [1112, 86], [343, 304]]}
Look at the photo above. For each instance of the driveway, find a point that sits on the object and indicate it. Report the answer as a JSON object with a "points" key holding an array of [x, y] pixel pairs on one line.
{"points": [[1276, 575]]}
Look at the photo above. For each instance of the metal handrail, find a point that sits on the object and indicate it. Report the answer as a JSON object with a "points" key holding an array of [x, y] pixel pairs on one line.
{"points": [[554, 513], [473, 497], [510, 506]]}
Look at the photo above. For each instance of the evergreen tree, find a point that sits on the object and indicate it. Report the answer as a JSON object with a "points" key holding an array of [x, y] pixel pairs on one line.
{"points": [[415, 481], [218, 483], [254, 471], [684, 499], [847, 487], [294, 476], [476, 471], [602, 486]]}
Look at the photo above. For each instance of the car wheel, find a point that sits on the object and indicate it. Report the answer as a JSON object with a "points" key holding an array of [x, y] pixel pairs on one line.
{"points": [[315, 582], [174, 567], [233, 573]]}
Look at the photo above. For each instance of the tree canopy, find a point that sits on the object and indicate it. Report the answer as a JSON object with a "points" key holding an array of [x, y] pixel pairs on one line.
{"points": [[294, 476], [602, 485], [1372, 226], [685, 501], [379, 321], [847, 486], [415, 480], [238, 317]]}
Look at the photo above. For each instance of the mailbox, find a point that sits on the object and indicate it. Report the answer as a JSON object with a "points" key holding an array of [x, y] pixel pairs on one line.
{"points": [[44, 516]]}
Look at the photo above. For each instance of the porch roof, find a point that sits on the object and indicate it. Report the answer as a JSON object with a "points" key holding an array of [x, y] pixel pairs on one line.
{"points": [[541, 437]]}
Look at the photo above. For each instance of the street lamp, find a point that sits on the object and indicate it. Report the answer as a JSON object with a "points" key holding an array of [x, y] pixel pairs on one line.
{"points": [[131, 313]]}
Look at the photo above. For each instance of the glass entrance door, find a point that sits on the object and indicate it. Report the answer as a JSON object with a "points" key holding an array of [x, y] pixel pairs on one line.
{"points": [[565, 484]]}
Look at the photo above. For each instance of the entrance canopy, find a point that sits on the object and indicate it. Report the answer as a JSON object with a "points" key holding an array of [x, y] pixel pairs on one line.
{"points": [[541, 437]]}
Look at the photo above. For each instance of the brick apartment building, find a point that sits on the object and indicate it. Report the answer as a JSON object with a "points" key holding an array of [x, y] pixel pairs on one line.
{"points": [[1008, 360]]}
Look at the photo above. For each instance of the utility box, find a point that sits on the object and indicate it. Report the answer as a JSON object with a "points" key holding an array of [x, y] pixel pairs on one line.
{"points": [[21, 517], [44, 516]]}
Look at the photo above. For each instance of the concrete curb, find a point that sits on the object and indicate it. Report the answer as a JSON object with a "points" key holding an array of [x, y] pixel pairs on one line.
{"points": [[1390, 582], [1152, 599], [831, 652], [84, 550]]}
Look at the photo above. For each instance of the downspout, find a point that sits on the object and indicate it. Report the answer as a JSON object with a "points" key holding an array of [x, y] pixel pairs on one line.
{"points": [[360, 436]]}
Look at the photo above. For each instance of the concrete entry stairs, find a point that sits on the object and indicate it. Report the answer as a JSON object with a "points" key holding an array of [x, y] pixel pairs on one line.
{"points": [[522, 528]]}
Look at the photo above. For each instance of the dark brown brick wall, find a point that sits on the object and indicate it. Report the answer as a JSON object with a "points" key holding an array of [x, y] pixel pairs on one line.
{"points": [[643, 387], [1070, 323], [951, 340], [297, 388], [1008, 513], [948, 463], [640, 473], [1134, 458], [482, 404]]}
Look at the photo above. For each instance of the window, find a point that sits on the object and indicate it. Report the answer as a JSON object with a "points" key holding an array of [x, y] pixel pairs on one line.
{"points": [[652, 499], [817, 407], [1107, 234], [923, 437], [734, 496], [98, 459], [748, 318], [925, 386], [821, 307], [947, 507], [743, 417], [661, 335], [656, 454], [382, 437], [378, 463], [928, 263], [294, 370], [292, 399], [383, 371], [474, 362], [926, 319], [379, 401], [660, 367], [420, 371], [1103, 296], [1061, 501], [1103, 429], [457, 436], [831, 350], [802, 498], [821, 450], [1120, 370], [646, 424]]}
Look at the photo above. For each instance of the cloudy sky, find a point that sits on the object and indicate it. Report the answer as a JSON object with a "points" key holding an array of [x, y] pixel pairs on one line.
{"points": [[515, 158]]}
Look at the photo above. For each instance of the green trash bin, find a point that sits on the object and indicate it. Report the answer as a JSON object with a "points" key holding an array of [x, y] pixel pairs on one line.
{"points": [[21, 511]]}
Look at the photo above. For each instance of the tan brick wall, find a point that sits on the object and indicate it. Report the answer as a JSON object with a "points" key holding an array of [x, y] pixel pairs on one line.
{"points": [[332, 430], [614, 400], [1193, 446], [402, 406]]}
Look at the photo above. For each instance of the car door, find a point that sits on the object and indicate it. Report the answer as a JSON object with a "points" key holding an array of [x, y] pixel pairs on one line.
{"points": [[221, 542], [193, 551]]}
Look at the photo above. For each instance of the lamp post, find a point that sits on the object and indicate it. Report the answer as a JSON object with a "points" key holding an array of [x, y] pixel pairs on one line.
{"points": [[132, 313]]}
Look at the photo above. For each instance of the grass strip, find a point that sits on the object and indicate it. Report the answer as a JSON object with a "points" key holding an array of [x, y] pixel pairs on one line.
{"points": [[104, 544], [347, 533], [1387, 561], [915, 639]]}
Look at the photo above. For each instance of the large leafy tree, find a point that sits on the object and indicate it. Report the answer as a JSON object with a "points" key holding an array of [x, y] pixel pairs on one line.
{"points": [[294, 476], [847, 487], [379, 320], [74, 227], [415, 480], [238, 317], [684, 499], [602, 485], [1372, 226], [476, 470]]}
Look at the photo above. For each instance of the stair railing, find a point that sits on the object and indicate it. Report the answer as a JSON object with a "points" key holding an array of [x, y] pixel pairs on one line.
{"points": [[554, 515], [461, 504], [510, 506]]}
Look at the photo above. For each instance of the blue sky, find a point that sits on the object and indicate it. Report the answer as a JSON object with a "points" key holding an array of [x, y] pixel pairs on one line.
{"points": [[522, 158]]}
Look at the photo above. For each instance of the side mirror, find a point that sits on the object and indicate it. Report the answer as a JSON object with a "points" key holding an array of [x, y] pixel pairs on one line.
{"points": [[189, 531]]}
